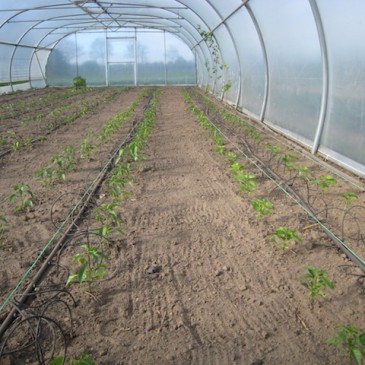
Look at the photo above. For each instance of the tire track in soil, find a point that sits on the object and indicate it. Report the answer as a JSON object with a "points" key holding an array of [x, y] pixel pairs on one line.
{"points": [[220, 297]]}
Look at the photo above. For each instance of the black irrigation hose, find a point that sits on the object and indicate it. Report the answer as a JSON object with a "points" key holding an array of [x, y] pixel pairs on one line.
{"points": [[294, 195], [70, 231], [36, 336]]}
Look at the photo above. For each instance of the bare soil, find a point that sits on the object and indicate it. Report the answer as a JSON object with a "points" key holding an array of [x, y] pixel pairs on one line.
{"points": [[222, 292]]}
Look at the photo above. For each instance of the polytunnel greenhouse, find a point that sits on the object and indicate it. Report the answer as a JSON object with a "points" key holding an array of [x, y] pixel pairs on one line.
{"points": [[182, 182]]}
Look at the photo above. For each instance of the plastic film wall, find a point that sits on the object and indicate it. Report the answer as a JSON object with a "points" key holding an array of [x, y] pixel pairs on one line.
{"points": [[296, 65], [304, 76]]}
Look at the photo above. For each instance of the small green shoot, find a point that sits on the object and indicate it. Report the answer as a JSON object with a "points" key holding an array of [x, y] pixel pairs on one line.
{"points": [[59, 360], [303, 172], [133, 150], [262, 206], [247, 181], [86, 149], [283, 235], [273, 150], [16, 145], [23, 195], [288, 160], [352, 339], [109, 218], [349, 197], [47, 175], [84, 359], [316, 280], [236, 167], [325, 182], [64, 162], [91, 266], [14, 140], [231, 156], [253, 133]]}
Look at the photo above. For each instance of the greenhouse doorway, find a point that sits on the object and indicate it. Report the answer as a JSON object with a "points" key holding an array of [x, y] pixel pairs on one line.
{"points": [[121, 60]]}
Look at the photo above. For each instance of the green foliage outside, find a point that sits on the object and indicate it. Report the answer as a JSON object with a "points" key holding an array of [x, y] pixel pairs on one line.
{"points": [[79, 82]]}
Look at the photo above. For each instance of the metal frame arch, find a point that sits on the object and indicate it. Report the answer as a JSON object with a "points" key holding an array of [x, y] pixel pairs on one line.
{"points": [[187, 33], [206, 25], [266, 61], [325, 75]]}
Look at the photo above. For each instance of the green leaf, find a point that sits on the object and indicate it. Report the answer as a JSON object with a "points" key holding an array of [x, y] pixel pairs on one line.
{"points": [[71, 278], [57, 361], [12, 197], [362, 339], [356, 354], [82, 274]]}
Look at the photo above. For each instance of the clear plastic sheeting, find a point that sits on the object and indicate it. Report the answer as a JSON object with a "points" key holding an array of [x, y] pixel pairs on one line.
{"points": [[252, 63], [127, 57], [294, 60], [344, 128], [296, 65]]}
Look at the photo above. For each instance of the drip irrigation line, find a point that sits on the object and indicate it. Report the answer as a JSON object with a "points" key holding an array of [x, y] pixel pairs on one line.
{"points": [[265, 127], [48, 132], [296, 198], [77, 213]]}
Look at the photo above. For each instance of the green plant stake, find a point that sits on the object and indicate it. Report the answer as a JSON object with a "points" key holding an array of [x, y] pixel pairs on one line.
{"points": [[24, 195], [91, 266], [316, 280], [283, 235], [263, 207], [352, 339]]}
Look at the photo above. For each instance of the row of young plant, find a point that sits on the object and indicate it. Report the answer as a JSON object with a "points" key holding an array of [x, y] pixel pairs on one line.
{"points": [[50, 121], [24, 199], [20, 102], [316, 280], [33, 102], [91, 261], [278, 155]]}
